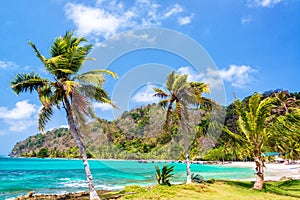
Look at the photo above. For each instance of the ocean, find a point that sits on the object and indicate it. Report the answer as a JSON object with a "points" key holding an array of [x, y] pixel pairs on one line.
{"points": [[18, 176]]}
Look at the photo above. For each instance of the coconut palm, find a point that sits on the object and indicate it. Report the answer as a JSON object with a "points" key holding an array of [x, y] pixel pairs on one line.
{"points": [[254, 123], [179, 96], [287, 128], [67, 89]]}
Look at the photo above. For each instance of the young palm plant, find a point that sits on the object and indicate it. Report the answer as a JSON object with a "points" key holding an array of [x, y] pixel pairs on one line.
{"points": [[179, 96], [67, 89], [163, 176]]}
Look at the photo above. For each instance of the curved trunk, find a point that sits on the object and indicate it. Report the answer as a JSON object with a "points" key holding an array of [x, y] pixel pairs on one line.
{"points": [[75, 134], [259, 182]]}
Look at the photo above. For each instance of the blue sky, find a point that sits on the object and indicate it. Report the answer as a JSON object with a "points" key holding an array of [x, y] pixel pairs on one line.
{"points": [[254, 45]]}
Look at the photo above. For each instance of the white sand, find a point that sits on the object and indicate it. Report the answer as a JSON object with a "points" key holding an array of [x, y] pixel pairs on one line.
{"points": [[273, 171]]}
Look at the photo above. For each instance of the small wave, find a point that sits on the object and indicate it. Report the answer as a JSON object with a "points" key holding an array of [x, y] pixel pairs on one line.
{"points": [[106, 187], [75, 184], [64, 179]]}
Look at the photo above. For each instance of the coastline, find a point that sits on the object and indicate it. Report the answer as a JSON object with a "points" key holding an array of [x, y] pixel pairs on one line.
{"points": [[273, 171]]}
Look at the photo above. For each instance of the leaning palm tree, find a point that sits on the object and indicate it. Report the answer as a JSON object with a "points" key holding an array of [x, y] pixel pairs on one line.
{"points": [[254, 130], [67, 89], [179, 96]]}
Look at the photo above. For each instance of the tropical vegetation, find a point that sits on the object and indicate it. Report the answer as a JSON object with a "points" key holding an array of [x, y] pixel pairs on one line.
{"points": [[259, 123], [66, 89], [134, 136], [178, 98]]}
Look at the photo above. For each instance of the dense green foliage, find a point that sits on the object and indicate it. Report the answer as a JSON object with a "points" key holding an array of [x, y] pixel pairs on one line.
{"points": [[139, 134]]}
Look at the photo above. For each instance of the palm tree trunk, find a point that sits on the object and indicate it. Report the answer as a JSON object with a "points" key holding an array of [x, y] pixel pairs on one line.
{"points": [[259, 182], [75, 134], [187, 155], [188, 169]]}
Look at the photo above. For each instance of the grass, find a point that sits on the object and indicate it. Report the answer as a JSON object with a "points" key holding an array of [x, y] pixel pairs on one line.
{"points": [[225, 190]]}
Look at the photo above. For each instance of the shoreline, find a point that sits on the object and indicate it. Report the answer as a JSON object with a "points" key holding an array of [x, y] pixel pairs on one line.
{"points": [[273, 171]]}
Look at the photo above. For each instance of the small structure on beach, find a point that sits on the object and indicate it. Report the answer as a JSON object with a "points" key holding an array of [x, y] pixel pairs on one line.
{"points": [[276, 155]]}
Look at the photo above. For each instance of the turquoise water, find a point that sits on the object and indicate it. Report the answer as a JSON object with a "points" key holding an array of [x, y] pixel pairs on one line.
{"points": [[18, 176]]}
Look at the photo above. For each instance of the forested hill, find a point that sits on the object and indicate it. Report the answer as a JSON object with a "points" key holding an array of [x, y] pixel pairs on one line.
{"points": [[121, 138], [136, 134]]}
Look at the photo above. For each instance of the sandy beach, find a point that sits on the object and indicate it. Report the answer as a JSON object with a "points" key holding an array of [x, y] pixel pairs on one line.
{"points": [[273, 171]]}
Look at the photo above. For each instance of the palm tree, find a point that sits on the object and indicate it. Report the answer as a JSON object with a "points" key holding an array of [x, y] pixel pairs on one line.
{"points": [[67, 89], [254, 123], [287, 128], [179, 96]]}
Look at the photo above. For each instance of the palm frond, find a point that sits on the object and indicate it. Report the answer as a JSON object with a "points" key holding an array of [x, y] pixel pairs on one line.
{"points": [[160, 93], [67, 53], [80, 102], [102, 71], [81, 119], [62, 71], [200, 87], [44, 117], [170, 80], [180, 83], [39, 55], [91, 78], [27, 82], [163, 103], [45, 94], [95, 77], [254, 103]]}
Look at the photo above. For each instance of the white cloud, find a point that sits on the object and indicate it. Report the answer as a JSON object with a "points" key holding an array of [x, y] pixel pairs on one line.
{"points": [[192, 75], [174, 10], [246, 19], [102, 106], [22, 110], [185, 20], [21, 125], [109, 17], [145, 95], [8, 65], [263, 3], [237, 76], [22, 116], [92, 20]]}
